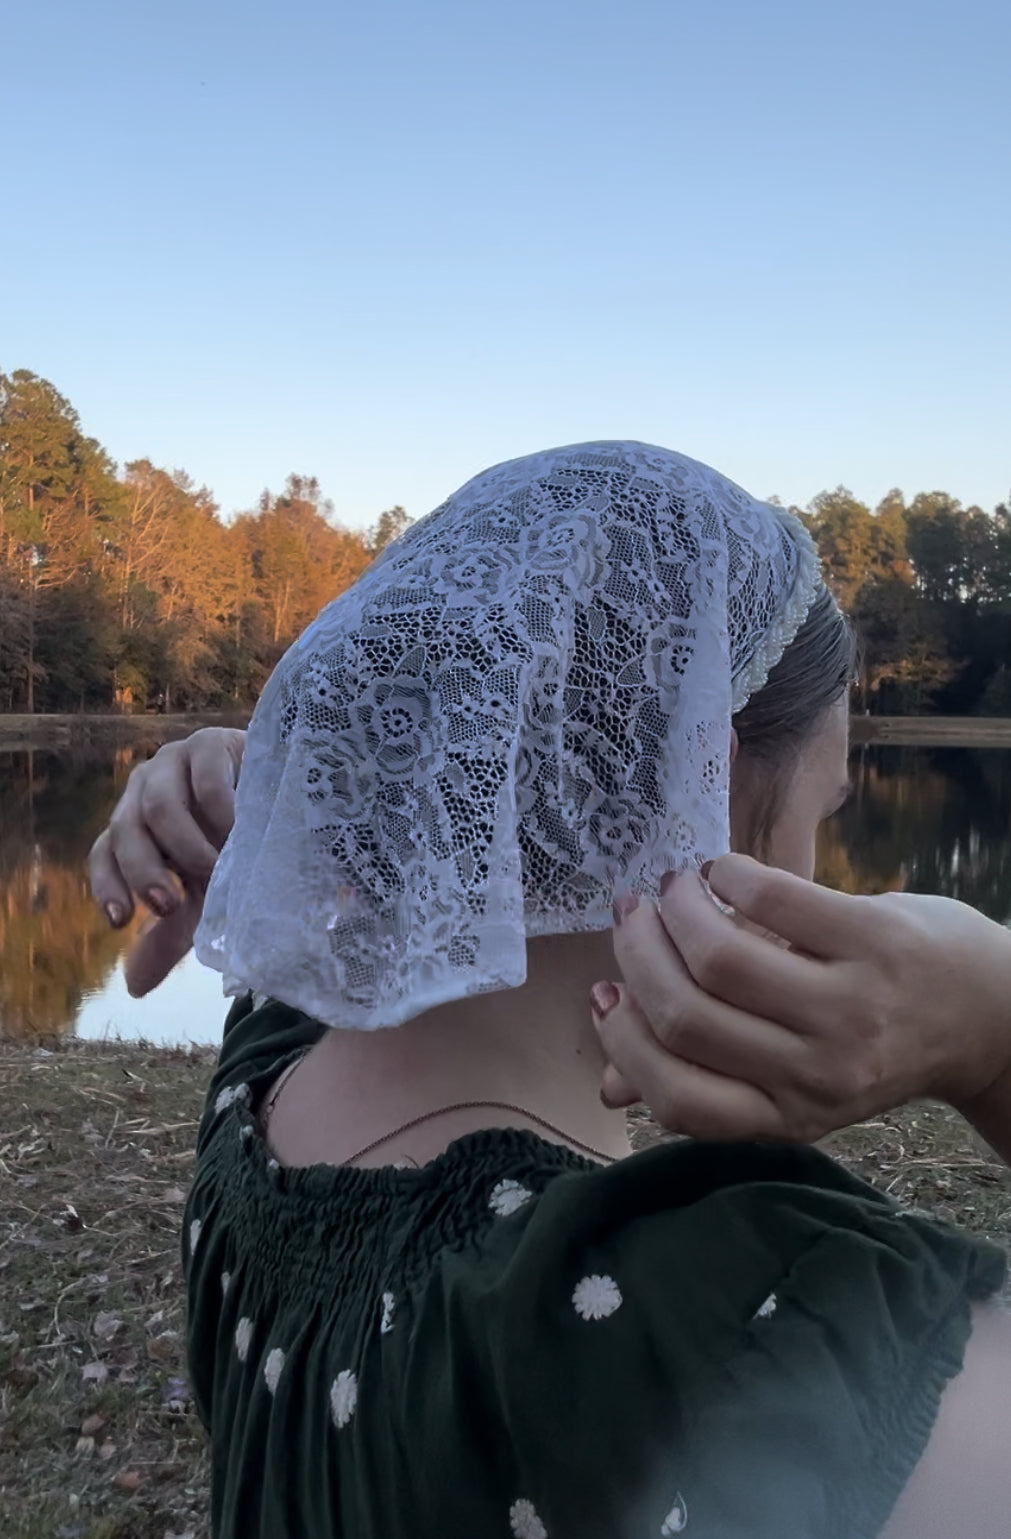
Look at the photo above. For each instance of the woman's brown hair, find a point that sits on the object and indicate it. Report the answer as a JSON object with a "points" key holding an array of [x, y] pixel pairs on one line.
{"points": [[814, 672]]}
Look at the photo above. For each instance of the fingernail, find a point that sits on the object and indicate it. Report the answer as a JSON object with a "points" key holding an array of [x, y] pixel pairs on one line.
{"points": [[666, 882], [705, 870], [115, 913], [158, 900], [623, 906], [604, 996]]}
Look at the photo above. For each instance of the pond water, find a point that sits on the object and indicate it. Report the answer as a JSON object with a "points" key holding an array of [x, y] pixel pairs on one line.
{"points": [[920, 819]]}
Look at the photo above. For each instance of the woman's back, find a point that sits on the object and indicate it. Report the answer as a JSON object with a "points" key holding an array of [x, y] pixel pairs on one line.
{"points": [[728, 1341]]}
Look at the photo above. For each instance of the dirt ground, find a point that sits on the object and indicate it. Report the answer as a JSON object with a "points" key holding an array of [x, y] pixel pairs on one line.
{"points": [[98, 1437]]}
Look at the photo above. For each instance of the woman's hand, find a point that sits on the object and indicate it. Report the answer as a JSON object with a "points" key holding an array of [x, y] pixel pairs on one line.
{"points": [[726, 1033], [161, 845]]}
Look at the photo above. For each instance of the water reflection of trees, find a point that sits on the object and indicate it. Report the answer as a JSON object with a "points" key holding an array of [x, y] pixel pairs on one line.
{"points": [[54, 945], [935, 821], [928, 822]]}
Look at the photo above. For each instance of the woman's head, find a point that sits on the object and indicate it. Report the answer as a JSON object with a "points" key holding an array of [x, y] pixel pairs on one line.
{"points": [[791, 743], [526, 703]]}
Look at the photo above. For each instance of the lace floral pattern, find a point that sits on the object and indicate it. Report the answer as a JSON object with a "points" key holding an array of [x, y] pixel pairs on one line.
{"points": [[526, 700]]}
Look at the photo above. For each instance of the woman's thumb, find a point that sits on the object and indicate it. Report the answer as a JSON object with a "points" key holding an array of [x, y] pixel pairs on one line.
{"points": [[161, 944]]}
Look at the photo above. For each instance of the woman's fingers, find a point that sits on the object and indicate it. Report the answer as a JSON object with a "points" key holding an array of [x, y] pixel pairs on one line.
{"points": [[814, 920], [167, 811], [859, 1019], [174, 816], [214, 761], [108, 886], [141, 863], [161, 944], [151, 833], [615, 1091], [770, 1062], [164, 835], [125, 859], [689, 1019], [726, 960], [683, 1096]]}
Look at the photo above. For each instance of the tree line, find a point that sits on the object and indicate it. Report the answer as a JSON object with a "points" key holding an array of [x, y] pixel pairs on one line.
{"points": [[126, 589], [927, 585]]}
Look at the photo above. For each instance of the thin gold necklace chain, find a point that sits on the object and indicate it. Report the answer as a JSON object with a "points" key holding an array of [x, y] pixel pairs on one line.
{"points": [[377, 1143]]}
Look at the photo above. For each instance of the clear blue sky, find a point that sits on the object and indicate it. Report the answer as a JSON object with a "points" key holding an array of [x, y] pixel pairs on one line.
{"points": [[388, 242]]}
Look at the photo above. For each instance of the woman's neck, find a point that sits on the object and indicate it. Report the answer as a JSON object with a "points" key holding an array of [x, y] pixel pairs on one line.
{"points": [[532, 1048]]}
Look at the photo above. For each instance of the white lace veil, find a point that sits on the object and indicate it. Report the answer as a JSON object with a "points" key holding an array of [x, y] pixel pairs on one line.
{"points": [[524, 703]]}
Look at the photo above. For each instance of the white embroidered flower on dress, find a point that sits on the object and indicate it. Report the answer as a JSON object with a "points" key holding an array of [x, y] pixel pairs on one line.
{"points": [[194, 1235], [229, 1094], [768, 1309], [507, 1197], [389, 1305], [243, 1337], [272, 1368], [343, 1397], [596, 1297], [524, 1522], [676, 1520]]}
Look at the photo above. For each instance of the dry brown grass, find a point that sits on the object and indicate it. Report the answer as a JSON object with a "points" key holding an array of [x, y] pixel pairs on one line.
{"points": [[98, 1438]]}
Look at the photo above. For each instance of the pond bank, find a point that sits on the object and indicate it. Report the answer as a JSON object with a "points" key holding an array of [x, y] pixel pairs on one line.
{"points": [[22, 733], [27, 732], [933, 731]]}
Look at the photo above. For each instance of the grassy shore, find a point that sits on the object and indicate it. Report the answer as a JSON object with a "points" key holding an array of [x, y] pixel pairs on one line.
{"points": [[98, 1437]]}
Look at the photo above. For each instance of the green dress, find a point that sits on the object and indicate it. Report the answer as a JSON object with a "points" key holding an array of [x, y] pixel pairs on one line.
{"points": [[511, 1342]]}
